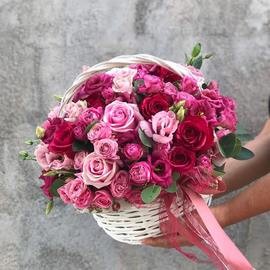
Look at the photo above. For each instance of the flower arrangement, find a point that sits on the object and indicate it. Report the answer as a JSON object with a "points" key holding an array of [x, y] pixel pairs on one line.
{"points": [[137, 133]]}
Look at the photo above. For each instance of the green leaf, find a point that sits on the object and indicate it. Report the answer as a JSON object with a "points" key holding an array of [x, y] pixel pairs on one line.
{"points": [[196, 50], [144, 139], [49, 207], [55, 185], [229, 145], [137, 84], [173, 187], [197, 62], [219, 170], [58, 172], [244, 154], [150, 193], [187, 59], [78, 146], [88, 128]]}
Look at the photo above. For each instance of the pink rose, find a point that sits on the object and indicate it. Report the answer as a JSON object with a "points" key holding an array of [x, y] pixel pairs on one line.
{"points": [[121, 116], [102, 199], [91, 114], [51, 161], [97, 171], [140, 173], [133, 151], [164, 124], [146, 127], [152, 84], [189, 85], [76, 192], [189, 99], [78, 160], [122, 81], [106, 148], [54, 112], [79, 130], [120, 184], [170, 90], [99, 131], [73, 110]]}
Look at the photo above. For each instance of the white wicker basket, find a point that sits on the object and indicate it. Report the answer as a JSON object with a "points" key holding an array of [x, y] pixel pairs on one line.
{"points": [[131, 224]]}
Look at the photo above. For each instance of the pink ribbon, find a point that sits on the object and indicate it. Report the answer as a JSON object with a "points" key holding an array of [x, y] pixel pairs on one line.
{"points": [[202, 230]]}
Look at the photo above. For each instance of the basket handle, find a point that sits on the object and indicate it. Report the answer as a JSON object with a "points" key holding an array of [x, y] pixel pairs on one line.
{"points": [[121, 61]]}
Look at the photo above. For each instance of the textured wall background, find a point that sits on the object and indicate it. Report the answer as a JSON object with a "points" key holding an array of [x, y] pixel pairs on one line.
{"points": [[43, 45]]}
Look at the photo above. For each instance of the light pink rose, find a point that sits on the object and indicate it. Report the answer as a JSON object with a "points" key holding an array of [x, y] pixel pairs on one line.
{"points": [[106, 148], [120, 184], [133, 151], [164, 124], [99, 131], [91, 114], [102, 199], [122, 116], [122, 81], [51, 161], [146, 127], [97, 171], [78, 160], [152, 84], [72, 110], [140, 173], [54, 112]]}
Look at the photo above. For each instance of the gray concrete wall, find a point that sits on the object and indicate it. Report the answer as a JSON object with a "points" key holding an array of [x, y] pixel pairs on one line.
{"points": [[43, 44]]}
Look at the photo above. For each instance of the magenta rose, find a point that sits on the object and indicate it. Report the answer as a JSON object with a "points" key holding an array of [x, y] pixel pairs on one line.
{"points": [[161, 170], [133, 151], [102, 199], [121, 116], [50, 127], [47, 183], [91, 114], [181, 158], [140, 173], [62, 140], [134, 197], [152, 84], [164, 124], [92, 89], [97, 171], [194, 133], [99, 131], [120, 184], [79, 130], [106, 148], [189, 85]]}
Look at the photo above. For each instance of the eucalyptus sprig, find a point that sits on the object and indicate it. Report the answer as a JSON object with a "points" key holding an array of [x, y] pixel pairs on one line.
{"points": [[24, 155], [196, 58]]}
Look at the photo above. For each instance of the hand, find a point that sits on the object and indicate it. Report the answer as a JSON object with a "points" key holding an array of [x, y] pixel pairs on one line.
{"points": [[162, 241]]}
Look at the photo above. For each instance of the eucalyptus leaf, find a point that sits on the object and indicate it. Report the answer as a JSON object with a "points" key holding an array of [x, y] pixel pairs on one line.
{"points": [[228, 145], [137, 84], [244, 154], [55, 185], [150, 193], [196, 50], [146, 141], [172, 188], [58, 172], [175, 176], [197, 62]]}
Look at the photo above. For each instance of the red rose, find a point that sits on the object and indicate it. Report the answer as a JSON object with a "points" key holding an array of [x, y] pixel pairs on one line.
{"points": [[182, 159], [155, 103], [63, 138], [195, 134]]}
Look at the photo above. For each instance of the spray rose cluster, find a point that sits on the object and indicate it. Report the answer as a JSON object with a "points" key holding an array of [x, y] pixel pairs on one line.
{"points": [[130, 129]]}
